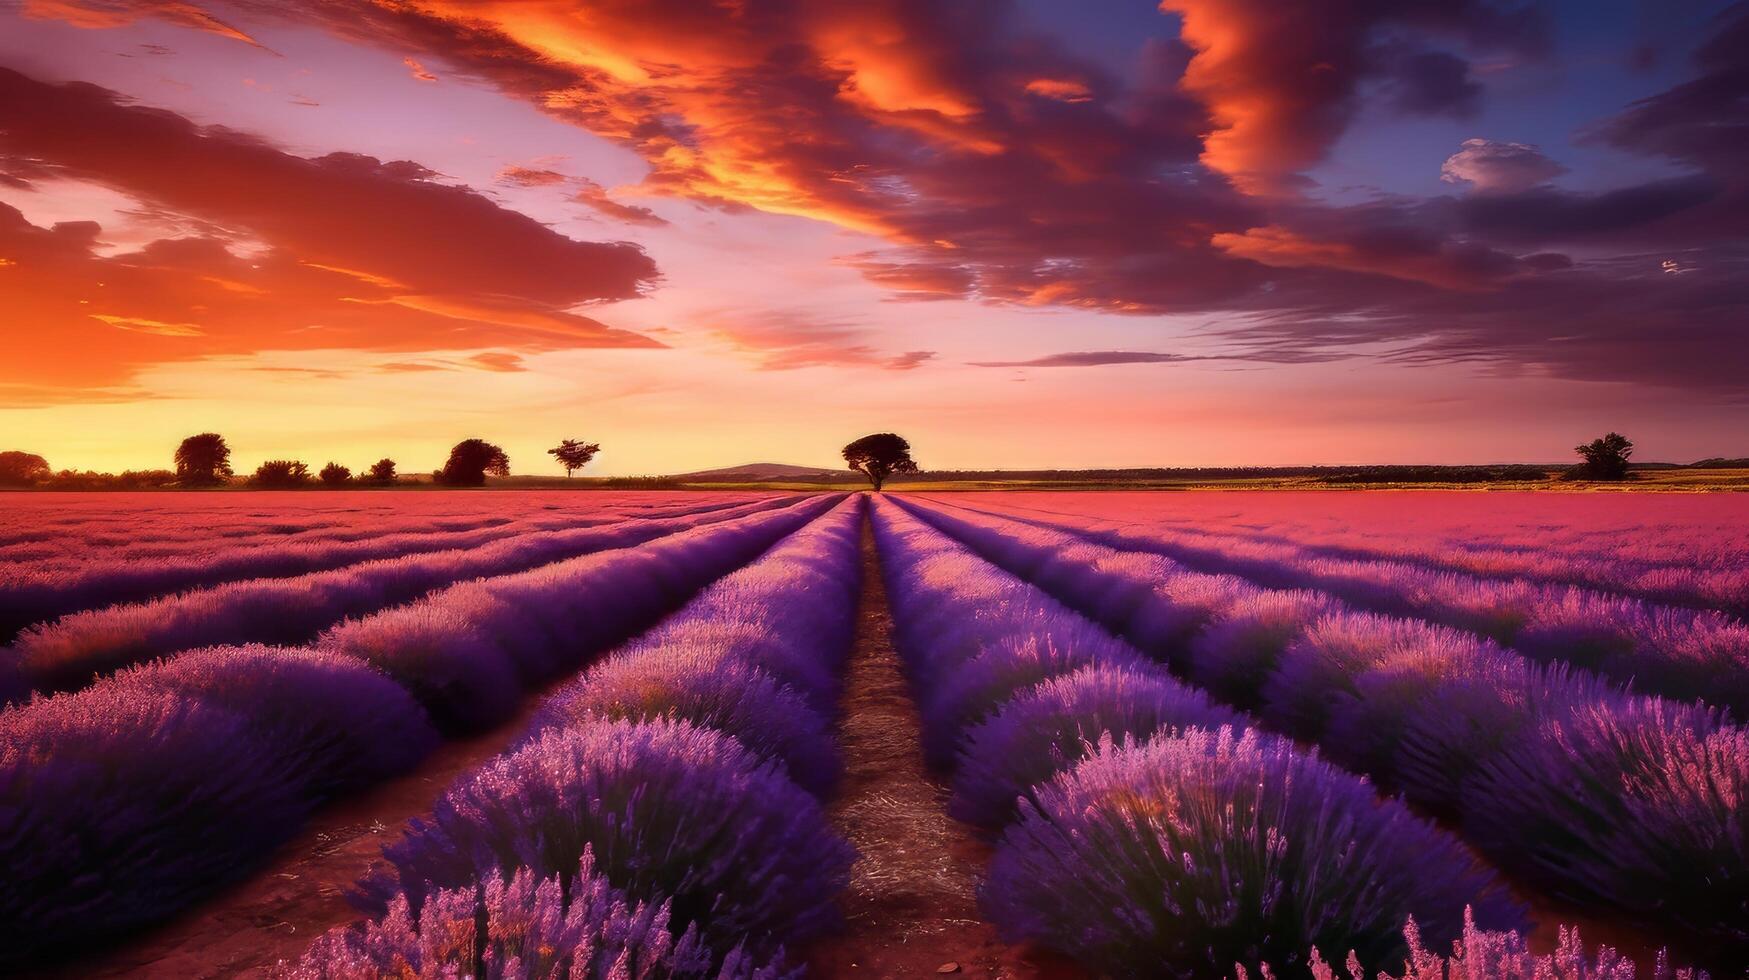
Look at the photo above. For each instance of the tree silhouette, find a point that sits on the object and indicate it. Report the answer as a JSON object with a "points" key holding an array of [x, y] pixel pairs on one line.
{"points": [[281, 474], [203, 460], [880, 456], [335, 475], [383, 471], [471, 460], [574, 454], [1605, 458], [22, 469]]}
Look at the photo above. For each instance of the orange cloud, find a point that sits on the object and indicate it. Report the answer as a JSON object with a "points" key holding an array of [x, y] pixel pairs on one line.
{"points": [[787, 340], [1280, 79], [418, 70], [1432, 262], [353, 252], [102, 14], [1061, 89]]}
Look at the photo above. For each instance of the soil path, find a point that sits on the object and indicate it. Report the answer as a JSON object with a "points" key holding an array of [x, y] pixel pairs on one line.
{"points": [[280, 908], [911, 909]]}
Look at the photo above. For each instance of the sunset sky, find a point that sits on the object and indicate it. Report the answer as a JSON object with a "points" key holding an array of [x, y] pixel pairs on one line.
{"points": [[1030, 233]]}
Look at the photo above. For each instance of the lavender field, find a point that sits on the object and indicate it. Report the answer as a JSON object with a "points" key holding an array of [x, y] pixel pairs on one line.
{"points": [[1415, 736]]}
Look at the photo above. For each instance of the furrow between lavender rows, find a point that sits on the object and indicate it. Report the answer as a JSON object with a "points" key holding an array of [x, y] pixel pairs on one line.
{"points": [[172, 778], [1627, 804], [71, 652], [1687, 654], [664, 806]]}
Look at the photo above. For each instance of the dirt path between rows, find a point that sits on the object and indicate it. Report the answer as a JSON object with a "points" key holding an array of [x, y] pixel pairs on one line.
{"points": [[275, 912], [911, 909]]}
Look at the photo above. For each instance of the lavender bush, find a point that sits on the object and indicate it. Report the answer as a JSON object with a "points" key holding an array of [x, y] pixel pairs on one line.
{"points": [[332, 720], [118, 805], [667, 808], [693, 682], [1054, 644], [1483, 955], [1184, 855], [528, 928], [1646, 799], [1052, 727]]}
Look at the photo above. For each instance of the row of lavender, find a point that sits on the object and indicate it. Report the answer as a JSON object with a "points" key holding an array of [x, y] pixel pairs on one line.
{"points": [[69, 653], [63, 531], [1697, 562], [33, 592], [1628, 804], [1149, 831], [122, 803], [660, 816], [1679, 652]]}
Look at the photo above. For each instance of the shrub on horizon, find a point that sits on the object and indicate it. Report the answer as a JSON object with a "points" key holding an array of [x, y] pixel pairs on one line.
{"points": [[281, 474]]}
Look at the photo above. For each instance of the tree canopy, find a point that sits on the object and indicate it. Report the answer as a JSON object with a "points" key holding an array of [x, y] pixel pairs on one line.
{"points": [[281, 474], [1605, 458], [20, 469], [203, 460], [470, 462], [335, 475], [574, 454], [383, 471], [879, 456]]}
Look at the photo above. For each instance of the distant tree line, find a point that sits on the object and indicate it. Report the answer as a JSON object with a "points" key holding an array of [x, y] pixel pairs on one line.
{"points": [[204, 460]]}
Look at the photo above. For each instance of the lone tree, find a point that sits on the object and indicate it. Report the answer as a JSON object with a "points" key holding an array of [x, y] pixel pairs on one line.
{"points": [[470, 461], [880, 456], [574, 454], [1604, 459], [203, 460], [281, 474], [22, 469], [335, 475], [383, 472]]}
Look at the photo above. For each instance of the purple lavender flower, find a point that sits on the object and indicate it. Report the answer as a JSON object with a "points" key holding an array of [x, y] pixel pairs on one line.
{"points": [[692, 680], [118, 805], [1235, 655], [465, 680], [1013, 661], [1184, 855], [336, 721], [1052, 727], [668, 808], [1639, 805], [528, 928]]}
